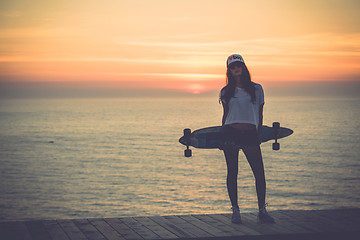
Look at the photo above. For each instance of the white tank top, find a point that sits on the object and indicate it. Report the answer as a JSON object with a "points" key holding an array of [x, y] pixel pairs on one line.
{"points": [[241, 109]]}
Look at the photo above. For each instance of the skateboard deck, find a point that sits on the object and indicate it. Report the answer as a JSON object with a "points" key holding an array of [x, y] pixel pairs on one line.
{"points": [[211, 137]]}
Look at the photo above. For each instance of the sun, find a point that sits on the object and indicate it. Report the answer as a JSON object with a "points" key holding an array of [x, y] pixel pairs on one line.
{"points": [[196, 88]]}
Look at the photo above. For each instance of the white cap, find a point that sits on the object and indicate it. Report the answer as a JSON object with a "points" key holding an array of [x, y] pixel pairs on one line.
{"points": [[234, 58]]}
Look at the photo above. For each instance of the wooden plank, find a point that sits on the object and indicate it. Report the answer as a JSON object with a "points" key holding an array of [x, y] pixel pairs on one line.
{"points": [[300, 220], [103, 227], [294, 224], [275, 226], [37, 230], [327, 224], [204, 226], [187, 227], [55, 230], [156, 228], [348, 213], [283, 221], [88, 229], [177, 230], [71, 230], [319, 215], [219, 225], [327, 221], [123, 229], [140, 229], [226, 219], [346, 220], [14, 231], [334, 220], [249, 221], [352, 212], [355, 212], [292, 221], [312, 221]]}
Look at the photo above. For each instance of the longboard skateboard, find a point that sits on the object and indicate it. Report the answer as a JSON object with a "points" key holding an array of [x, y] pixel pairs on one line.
{"points": [[211, 137]]}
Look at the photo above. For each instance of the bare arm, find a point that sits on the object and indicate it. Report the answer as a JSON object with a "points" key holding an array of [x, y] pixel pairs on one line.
{"points": [[261, 110], [226, 111]]}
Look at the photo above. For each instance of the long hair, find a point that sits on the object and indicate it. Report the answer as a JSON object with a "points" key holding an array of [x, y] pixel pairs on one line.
{"points": [[247, 84]]}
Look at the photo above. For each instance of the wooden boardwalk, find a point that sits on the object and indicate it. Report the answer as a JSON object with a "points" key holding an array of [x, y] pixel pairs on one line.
{"points": [[295, 224]]}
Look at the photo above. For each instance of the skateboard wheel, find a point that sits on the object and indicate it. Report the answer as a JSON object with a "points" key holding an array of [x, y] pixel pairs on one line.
{"points": [[276, 125], [187, 132], [276, 146], [187, 153]]}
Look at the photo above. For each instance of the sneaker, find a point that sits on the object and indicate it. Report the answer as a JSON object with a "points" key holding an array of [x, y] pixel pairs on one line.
{"points": [[236, 215], [264, 216]]}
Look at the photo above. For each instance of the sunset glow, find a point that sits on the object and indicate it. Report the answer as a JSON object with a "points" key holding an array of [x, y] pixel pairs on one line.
{"points": [[180, 45]]}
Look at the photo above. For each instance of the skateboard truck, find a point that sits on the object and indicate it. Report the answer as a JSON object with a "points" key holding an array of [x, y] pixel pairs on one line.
{"points": [[276, 145], [187, 138]]}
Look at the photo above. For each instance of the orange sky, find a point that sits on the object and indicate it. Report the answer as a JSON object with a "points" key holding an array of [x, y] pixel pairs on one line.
{"points": [[178, 44]]}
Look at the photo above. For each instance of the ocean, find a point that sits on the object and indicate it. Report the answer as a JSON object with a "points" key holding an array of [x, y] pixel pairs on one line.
{"points": [[64, 158]]}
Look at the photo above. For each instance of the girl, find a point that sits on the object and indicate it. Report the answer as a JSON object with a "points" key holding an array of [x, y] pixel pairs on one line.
{"points": [[243, 102]]}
